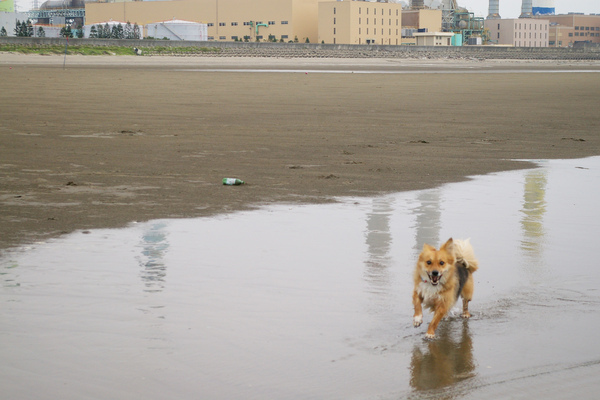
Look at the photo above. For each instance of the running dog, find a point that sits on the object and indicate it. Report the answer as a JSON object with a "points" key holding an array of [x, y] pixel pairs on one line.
{"points": [[441, 276]]}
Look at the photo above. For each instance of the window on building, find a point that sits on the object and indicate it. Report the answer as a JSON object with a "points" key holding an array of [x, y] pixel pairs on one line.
{"points": [[222, 37], [284, 22], [334, 31], [259, 37], [333, 10], [234, 38], [271, 22], [576, 34], [284, 36], [210, 24], [587, 28], [222, 24], [498, 35], [234, 24], [498, 26], [576, 28], [246, 23], [334, 21], [570, 34], [211, 38]]}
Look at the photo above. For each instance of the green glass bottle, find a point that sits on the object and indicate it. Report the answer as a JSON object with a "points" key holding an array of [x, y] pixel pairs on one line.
{"points": [[232, 181]]}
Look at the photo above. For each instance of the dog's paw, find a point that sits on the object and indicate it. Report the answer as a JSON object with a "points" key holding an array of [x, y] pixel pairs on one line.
{"points": [[417, 320], [466, 315], [430, 335]]}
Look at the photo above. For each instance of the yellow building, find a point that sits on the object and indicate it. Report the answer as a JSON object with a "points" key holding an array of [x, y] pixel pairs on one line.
{"points": [[434, 38], [227, 20], [423, 19], [360, 22]]}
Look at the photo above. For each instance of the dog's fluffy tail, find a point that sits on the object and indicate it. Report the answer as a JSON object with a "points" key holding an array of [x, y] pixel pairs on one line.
{"points": [[465, 255]]}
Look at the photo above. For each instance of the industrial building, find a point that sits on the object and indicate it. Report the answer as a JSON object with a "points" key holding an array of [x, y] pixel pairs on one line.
{"points": [[360, 22], [563, 30], [519, 32], [226, 20], [568, 29]]}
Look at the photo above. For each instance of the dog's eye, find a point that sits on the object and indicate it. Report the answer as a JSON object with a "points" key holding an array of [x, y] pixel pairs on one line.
{"points": [[442, 263], [428, 262]]}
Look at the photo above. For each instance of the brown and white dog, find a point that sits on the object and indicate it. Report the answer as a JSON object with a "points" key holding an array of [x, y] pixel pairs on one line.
{"points": [[441, 276]]}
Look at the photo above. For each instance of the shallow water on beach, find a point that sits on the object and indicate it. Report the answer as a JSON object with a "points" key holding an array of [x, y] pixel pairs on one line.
{"points": [[314, 301]]}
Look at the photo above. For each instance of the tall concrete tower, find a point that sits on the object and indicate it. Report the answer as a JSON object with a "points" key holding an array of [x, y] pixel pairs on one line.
{"points": [[526, 11], [494, 11]]}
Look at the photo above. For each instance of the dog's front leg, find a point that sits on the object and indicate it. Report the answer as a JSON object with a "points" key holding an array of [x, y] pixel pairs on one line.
{"points": [[417, 301], [440, 312]]}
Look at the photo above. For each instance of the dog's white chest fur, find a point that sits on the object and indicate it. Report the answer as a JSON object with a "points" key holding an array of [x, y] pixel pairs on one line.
{"points": [[430, 294], [428, 291]]}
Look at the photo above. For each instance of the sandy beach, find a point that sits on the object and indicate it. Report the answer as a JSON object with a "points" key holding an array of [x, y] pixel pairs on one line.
{"points": [[110, 140], [309, 295]]}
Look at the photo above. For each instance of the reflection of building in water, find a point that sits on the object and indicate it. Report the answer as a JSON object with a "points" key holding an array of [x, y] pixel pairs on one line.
{"points": [[379, 240], [534, 208], [436, 366], [428, 215], [154, 246]]}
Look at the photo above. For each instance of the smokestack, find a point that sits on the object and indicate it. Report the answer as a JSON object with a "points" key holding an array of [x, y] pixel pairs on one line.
{"points": [[526, 9], [494, 9], [543, 7]]}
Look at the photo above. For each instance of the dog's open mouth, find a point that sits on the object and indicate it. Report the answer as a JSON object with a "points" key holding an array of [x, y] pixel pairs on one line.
{"points": [[435, 279]]}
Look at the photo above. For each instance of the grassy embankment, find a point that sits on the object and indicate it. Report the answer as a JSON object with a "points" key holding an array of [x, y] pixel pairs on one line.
{"points": [[102, 50]]}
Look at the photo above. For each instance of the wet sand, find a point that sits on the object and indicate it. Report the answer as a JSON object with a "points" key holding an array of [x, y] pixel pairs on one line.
{"points": [[111, 140], [314, 301]]}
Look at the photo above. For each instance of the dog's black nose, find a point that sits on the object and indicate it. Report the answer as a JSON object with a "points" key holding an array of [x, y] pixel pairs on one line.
{"points": [[434, 273]]}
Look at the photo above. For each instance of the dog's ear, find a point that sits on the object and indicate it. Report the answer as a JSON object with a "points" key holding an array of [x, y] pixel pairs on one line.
{"points": [[448, 246], [427, 247]]}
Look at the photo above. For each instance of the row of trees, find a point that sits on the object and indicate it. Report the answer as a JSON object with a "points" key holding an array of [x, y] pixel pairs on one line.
{"points": [[116, 32], [26, 29]]}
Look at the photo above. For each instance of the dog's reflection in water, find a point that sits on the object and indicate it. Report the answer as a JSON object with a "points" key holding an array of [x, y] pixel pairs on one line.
{"points": [[444, 361]]}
